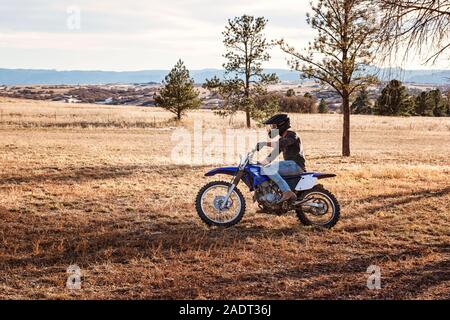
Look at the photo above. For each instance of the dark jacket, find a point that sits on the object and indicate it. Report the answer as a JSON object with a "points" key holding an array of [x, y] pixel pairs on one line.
{"points": [[291, 146]]}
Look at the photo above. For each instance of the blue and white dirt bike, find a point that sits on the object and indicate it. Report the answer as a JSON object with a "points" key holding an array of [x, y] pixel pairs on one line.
{"points": [[220, 203]]}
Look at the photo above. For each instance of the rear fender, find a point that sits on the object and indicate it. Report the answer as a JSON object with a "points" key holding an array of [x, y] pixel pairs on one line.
{"points": [[310, 180], [324, 175], [307, 182]]}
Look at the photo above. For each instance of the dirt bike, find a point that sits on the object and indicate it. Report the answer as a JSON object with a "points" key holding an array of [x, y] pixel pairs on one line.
{"points": [[222, 204]]}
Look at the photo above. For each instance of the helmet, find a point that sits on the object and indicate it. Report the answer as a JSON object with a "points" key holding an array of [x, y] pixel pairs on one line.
{"points": [[279, 123]]}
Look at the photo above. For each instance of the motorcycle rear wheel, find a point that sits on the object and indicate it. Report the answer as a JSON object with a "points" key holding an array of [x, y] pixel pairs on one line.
{"points": [[326, 200]]}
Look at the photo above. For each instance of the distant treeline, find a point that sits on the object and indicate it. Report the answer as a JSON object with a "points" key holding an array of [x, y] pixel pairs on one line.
{"points": [[395, 100], [289, 102]]}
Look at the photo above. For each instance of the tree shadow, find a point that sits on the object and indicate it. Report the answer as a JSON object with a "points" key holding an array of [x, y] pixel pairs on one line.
{"points": [[423, 193], [333, 278], [417, 280], [405, 198], [89, 173], [123, 241]]}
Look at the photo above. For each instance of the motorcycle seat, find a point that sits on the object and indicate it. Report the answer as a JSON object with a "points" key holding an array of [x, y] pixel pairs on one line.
{"points": [[316, 175]]}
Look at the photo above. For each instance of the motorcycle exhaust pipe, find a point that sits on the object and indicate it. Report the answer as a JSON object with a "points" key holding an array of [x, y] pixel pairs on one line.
{"points": [[297, 203], [315, 205]]}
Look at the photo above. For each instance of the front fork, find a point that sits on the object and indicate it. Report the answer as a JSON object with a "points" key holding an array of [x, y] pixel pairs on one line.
{"points": [[234, 184]]}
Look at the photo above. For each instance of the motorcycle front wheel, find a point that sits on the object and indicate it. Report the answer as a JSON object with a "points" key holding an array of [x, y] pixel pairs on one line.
{"points": [[211, 208], [321, 208]]}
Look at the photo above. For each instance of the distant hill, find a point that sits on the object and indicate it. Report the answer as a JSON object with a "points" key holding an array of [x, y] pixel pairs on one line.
{"points": [[31, 76], [436, 77]]}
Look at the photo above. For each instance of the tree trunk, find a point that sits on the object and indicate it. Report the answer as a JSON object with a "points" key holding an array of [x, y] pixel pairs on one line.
{"points": [[346, 129], [247, 83], [247, 97], [346, 79], [179, 114], [247, 114]]}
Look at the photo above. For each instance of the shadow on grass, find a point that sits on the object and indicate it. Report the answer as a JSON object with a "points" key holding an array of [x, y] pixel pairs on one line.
{"points": [[388, 201], [122, 240], [421, 194], [336, 278], [86, 174], [108, 241]]}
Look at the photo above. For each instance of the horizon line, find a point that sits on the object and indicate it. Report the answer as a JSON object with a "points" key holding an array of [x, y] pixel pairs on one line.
{"points": [[194, 69]]}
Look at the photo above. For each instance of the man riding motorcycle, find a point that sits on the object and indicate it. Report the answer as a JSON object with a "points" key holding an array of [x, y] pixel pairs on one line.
{"points": [[291, 146], [221, 203]]}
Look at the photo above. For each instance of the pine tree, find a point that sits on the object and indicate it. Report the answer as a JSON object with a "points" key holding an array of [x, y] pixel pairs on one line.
{"points": [[394, 100], [323, 106], [343, 47], [247, 48], [438, 103], [178, 94], [362, 104], [424, 104]]}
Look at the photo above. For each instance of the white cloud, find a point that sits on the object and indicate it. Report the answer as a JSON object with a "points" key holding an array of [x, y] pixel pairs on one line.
{"points": [[137, 34], [133, 34]]}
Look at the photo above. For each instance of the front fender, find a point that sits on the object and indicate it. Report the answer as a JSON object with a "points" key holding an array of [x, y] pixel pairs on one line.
{"points": [[231, 171]]}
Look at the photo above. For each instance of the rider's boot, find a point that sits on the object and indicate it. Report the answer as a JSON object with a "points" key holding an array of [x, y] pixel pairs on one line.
{"points": [[288, 195]]}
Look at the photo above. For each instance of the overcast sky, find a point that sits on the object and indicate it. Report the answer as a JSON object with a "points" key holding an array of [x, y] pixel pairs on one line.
{"points": [[140, 34]]}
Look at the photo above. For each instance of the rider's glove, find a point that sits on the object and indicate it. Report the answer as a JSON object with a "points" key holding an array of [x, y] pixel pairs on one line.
{"points": [[260, 145]]}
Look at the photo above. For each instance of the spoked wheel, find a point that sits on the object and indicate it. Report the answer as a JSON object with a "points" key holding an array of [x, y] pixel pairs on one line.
{"points": [[213, 210], [320, 208]]}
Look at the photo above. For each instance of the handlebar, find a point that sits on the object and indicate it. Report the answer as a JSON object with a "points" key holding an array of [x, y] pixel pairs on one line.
{"points": [[251, 154]]}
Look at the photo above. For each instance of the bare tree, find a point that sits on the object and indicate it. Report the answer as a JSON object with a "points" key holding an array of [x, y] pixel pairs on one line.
{"points": [[419, 26], [338, 56]]}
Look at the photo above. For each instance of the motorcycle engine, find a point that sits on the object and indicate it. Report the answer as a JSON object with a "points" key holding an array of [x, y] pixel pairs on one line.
{"points": [[267, 195]]}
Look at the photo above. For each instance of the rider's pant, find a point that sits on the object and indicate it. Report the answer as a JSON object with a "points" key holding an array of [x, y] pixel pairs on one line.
{"points": [[282, 168]]}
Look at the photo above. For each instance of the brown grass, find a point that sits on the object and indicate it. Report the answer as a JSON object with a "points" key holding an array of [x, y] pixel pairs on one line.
{"points": [[109, 199]]}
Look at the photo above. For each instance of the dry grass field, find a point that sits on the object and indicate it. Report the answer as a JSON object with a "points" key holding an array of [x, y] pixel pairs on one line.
{"points": [[96, 187]]}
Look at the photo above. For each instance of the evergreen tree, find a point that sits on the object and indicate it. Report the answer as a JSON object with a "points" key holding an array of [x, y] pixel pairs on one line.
{"points": [[424, 104], [438, 103], [178, 94], [394, 100], [430, 104], [247, 48], [323, 106], [362, 104]]}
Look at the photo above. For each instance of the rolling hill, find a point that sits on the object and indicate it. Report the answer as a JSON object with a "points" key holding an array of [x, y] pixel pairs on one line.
{"points": [[34, 76]]}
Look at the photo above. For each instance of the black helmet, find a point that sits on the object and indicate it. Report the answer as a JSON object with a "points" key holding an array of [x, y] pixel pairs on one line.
{"points": [[281, 121]]}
